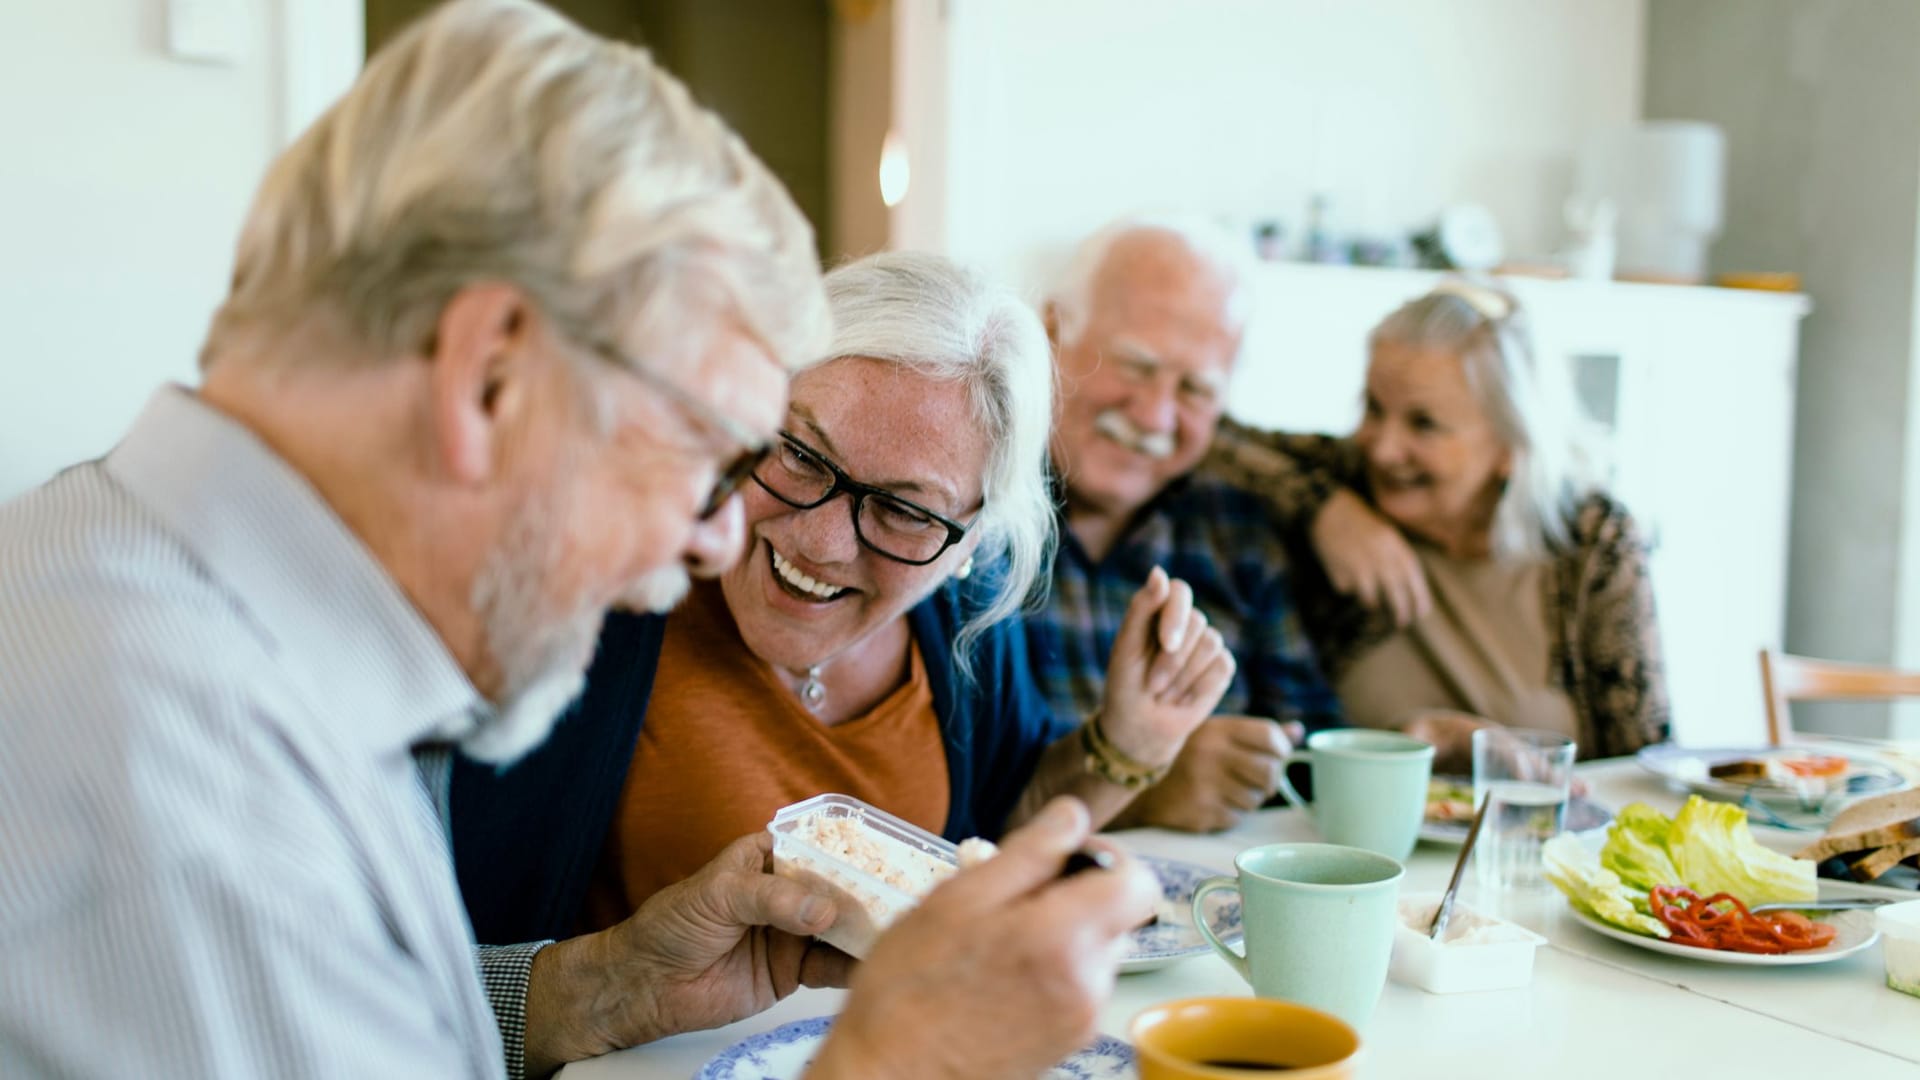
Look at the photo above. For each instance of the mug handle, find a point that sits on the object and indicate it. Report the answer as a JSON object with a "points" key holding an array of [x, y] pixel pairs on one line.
{"points": [[1286, 786], [1215, 884]]}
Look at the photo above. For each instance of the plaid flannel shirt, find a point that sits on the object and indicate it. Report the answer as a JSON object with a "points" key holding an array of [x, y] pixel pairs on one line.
{"points": [[1221, 541]]}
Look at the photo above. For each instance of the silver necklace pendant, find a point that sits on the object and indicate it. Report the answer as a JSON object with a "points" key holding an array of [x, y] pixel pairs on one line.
{"points": [[813, 691]]}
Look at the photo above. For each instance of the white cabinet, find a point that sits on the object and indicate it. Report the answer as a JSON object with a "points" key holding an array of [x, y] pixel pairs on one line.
{"points": [[1695, 389]]}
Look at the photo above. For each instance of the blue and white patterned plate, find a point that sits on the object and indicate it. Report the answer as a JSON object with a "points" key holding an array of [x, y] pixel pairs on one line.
{"points": [[1173, 936], [785, 1052]]}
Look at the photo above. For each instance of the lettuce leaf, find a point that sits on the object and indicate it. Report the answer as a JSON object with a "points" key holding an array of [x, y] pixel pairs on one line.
{"points": [[1594, 889], [1636, 848], [1714, 851], [1707, 847]]}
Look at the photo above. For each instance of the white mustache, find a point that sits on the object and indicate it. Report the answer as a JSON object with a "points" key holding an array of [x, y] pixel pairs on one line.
{"points": [[1114, 425]]}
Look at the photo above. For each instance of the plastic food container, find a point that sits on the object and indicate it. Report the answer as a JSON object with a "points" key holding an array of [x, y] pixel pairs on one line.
{"points": [[1900, 943], [1480, 952], [876, 866]]}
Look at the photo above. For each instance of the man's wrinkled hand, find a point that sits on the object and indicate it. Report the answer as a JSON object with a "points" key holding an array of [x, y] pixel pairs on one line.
{"points": [[1229, 767], [1001, 972], [724, 944]]}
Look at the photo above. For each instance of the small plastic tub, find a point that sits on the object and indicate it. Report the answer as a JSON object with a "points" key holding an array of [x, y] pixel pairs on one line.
{"points": [[876, 866], [1900, 944], [1479, 952]]}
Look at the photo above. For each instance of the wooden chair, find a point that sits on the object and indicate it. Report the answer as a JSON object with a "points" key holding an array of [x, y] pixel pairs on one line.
{"points": [[1785, 678]]}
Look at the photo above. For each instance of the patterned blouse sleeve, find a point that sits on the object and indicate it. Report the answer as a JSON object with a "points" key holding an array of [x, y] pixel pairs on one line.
{"points": [[1622, 688], [1295, 474]]}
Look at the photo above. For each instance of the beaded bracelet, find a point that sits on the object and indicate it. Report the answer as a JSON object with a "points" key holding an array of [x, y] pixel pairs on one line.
{"points": [[1106, 760]]}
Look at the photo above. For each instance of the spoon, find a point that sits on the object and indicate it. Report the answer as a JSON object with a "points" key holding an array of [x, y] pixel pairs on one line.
{"points": [[1445, 910]]}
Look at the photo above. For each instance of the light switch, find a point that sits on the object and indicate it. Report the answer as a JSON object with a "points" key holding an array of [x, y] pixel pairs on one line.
{"points": [[207, 31]]}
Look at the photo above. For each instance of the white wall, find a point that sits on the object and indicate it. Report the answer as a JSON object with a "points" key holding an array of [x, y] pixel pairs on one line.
{"points": [[1821, 103], [123, 180], [1065, 113]]}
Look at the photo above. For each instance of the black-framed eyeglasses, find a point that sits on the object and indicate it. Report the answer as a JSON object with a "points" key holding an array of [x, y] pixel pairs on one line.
{"points": [[886, 524], [734, 471]]}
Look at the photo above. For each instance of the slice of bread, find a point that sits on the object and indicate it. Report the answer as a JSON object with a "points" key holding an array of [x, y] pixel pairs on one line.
{"points": [[1743, 771], [1884, 859], [1869, 825]]}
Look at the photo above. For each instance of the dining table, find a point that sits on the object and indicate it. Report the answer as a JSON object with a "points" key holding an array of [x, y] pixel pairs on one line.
{"points": [[1595, 1007]]}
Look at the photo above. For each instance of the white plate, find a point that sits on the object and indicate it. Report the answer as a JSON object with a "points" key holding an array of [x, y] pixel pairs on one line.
{"points": [[1173, 938], [785, 1052], [1856, 932], [1686, 768], [1583, 815]]}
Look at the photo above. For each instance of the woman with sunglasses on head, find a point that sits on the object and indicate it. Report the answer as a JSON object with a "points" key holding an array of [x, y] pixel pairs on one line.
{"points": [[867, 643], [1456, 568]]}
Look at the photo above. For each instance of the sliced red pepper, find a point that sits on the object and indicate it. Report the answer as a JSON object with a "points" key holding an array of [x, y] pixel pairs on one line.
{"points": [[1722, 921]]}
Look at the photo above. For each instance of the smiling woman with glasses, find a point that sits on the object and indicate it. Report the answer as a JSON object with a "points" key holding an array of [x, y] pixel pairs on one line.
{"points": [[868, 642], [903, 531]]}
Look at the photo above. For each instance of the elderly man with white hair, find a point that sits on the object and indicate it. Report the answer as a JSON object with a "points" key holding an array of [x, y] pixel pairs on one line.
{"points": [[1147, 323], [506, 329]]}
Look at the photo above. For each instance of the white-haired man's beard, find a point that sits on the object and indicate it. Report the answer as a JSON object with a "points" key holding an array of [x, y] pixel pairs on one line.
{"points": [[1114, 424], [542, 660], [658, 592]]}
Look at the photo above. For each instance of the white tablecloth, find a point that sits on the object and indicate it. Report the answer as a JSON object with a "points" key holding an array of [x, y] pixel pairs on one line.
{"points": [[1595, 1008]]}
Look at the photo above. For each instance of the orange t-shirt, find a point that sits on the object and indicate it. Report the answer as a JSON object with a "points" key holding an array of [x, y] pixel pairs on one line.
{"points": [[725, 744]]}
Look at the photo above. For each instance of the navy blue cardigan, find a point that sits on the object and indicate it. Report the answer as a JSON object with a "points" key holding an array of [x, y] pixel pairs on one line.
{"points": [[527, 839]]}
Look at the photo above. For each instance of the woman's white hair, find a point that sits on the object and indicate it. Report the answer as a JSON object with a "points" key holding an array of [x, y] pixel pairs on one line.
{"points": [[1529, 406], [496, 141], [944, 321], [1210, 244]]}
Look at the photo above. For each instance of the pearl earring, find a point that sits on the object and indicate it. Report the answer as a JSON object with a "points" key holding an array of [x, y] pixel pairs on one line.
{"points": [[965, 571]]}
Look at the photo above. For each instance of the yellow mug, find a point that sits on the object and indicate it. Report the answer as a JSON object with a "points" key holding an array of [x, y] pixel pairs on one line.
{"points": [[1234, 1038]]}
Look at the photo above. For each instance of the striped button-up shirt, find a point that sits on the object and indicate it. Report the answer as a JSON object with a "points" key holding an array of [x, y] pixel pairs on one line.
{"points": [[216, 855]]}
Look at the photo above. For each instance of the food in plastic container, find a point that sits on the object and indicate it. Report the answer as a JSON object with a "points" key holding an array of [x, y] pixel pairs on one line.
{"points": [[876, 866], [1478, 952], [1900, 943]]}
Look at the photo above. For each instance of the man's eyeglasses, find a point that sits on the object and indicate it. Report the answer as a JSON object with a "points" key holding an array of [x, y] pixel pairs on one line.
{"points": [[887, 524], [734, 471]]}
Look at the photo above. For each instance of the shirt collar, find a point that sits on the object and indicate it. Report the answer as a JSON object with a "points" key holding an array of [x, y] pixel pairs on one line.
{"points": [[331, 613], [1150, 526]]}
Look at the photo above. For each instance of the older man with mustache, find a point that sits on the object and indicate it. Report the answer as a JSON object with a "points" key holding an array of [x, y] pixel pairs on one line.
{"points": [[506, 328], [1147, 323]]}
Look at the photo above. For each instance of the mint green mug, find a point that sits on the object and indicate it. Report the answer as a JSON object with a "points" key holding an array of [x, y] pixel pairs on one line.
{"points": [[1319, 921], [1369, 788]]}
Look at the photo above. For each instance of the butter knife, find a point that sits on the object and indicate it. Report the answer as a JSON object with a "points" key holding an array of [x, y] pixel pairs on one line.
{"points": [[1858, 904], [1445, 910]]}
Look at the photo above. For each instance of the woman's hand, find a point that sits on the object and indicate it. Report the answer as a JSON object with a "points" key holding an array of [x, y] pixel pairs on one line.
{"points": [[1367, 558], [1451, 734], [1167, 672]]}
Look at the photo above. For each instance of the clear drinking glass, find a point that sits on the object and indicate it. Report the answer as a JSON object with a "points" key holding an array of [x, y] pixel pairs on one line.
{"points": [[1527, 776]]}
